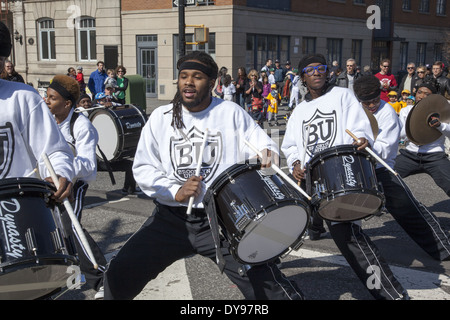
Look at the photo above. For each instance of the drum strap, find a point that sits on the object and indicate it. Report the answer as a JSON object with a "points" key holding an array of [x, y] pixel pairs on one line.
{"points": [[108, 166], [210, 208]]}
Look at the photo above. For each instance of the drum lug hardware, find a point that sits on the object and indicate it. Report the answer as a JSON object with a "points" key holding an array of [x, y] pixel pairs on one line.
{"points": [[31, 241], [57, 241]]}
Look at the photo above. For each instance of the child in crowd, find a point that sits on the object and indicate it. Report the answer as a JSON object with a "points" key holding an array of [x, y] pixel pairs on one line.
{"points": [[274, 99], [393, 101], [272, 76], [111, 79], [410, 101], [228, 89], [80, 79], [295, 90]]}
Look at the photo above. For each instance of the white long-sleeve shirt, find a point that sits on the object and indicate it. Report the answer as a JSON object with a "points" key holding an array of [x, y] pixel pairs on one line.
{"points": [[435, 146], [328, 117], [85, 140], [166, 158], [386, 143], [27, 130]]}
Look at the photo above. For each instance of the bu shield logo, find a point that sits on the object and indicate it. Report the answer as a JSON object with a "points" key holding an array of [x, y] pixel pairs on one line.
{"points": [[184, 154], [6, 149], [322, 131]]}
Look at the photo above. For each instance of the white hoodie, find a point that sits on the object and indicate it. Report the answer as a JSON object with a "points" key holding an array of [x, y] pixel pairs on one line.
{"points": [[166, 157], [435, 146], [27, 130], [328, 117]]}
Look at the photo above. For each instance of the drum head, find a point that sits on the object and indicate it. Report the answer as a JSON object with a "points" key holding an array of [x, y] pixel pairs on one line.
{"points": [[108, 134], [272, 235], [33, 281], [350, 207]]}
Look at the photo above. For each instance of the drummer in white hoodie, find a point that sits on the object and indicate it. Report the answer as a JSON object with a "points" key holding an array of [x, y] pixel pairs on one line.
{"points": [[329, 111], [417, 221], [165, 166]]}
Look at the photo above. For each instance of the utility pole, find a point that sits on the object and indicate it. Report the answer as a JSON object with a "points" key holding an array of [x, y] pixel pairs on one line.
{"points": [[181, 29]]}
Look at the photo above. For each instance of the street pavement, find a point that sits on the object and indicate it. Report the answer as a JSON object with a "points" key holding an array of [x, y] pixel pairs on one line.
{"points": [[317, 267]]}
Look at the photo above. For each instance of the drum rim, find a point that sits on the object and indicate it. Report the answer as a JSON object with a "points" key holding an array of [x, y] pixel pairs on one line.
{"points": [[324, 154], [232, 172]]}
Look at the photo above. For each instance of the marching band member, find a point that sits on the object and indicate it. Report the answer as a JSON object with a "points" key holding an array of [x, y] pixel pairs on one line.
{"points": [[78, 131], [164, 167], [28, 130], [329, 111], [429, 158], [419, 223]]}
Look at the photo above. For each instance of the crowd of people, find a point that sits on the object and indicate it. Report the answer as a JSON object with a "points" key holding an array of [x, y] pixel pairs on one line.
{"points": [[182, 222]]}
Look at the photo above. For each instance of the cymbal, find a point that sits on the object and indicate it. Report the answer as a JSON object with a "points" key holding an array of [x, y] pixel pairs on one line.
{"points": [[373, 123], [416, 126]]}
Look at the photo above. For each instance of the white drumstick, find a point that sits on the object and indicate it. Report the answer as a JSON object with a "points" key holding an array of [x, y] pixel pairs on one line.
{"points": [[199, 167], [69, 209], [279, 171], [373, 154], [302, 164]]}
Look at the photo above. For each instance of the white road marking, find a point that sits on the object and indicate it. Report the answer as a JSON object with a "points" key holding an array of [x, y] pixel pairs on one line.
{"points": [[98, 204]]}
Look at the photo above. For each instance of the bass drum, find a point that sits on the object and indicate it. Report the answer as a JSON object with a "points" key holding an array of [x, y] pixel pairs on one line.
{"points": [[34, 254], [343, 185], [260, 216], [119, 130]]}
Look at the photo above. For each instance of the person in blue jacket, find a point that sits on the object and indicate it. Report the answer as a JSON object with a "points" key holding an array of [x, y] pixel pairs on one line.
{"points": [[97, 78]]}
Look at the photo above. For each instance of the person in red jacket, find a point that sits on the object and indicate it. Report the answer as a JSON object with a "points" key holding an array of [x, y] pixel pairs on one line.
{"points": [[387, 79]]}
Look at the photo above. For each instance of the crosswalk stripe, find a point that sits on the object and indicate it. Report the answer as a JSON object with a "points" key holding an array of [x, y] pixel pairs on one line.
{"points": [[420, 285]]}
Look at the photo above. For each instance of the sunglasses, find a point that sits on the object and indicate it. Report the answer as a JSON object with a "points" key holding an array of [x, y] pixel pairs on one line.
{"points": [[311, 70]]}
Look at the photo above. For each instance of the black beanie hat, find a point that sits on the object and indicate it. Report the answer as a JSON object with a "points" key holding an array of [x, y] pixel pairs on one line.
{"points": [[5, 41]]}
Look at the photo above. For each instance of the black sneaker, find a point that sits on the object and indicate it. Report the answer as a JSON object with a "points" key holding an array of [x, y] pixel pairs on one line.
{"points": [[314, 235], [124, 191]]}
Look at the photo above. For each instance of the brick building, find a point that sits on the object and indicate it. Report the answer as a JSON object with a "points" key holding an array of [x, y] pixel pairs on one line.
{"points": [[143, 35]]}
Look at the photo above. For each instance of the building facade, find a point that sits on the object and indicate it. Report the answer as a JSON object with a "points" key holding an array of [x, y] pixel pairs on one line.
{"points": [[143, 35]]}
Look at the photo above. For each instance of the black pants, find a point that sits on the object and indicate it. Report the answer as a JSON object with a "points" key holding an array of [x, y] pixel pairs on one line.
{"points": [[437, 165], [418, 222], [363, 257], [94, 277], [169, 235]]}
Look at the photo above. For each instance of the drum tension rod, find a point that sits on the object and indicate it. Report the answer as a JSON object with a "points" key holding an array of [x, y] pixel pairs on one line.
{"points": [[31, 241]]}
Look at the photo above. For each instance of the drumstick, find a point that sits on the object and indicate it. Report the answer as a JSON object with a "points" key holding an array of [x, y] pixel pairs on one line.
{"points": [[31, 173], [278, 170], [199, 166], [373, 154], [69, 210]]}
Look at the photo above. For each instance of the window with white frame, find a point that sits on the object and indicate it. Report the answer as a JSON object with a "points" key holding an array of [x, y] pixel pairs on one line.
{"points": [[46, 35], [86, 39], [441, 7]]}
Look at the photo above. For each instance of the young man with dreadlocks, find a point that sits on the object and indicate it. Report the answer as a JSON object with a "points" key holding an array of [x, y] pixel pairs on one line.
{"points": [[165, 165], [340, 110]]}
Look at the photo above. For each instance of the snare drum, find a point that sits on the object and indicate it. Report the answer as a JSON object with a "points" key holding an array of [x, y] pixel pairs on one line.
{"points": [[119, 130], [34, 255], [343, 185], [260, 216]]}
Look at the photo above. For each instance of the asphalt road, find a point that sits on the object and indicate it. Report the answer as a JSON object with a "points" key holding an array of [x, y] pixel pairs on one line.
{"points": [[317, 267]]}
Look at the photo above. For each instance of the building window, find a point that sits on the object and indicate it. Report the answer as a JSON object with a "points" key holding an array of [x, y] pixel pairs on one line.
{"points": [[47, 45], [283, 5], [359, 2], [262, 47], [424, 6], [438, 49], [404, 55], [406, 5], [308, 45], [357, 50], [421, 53], [441, 7], [209, 47], [334, 50], [87, 43]]}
